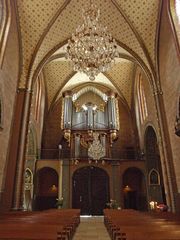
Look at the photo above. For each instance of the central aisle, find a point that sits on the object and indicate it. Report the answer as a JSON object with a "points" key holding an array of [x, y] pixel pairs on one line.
{"points": [[91, 228]]}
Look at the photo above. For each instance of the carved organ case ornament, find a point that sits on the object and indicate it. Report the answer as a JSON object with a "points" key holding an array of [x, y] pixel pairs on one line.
{"points": [[177, 122], [93, 117]]}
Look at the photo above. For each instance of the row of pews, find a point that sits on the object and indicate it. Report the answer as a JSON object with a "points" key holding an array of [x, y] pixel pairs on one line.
{"points": [[45, 225], [130, 224]]}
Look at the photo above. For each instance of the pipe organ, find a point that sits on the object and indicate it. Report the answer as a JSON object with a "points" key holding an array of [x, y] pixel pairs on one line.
{"points": [[90, 124]]}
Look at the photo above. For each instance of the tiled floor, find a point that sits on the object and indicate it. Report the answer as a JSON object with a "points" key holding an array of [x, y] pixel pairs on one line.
{"points": [[91, 228]]}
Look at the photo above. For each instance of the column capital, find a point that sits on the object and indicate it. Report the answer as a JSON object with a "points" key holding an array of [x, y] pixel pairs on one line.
{"points": [[67, 93], [111, 94]]}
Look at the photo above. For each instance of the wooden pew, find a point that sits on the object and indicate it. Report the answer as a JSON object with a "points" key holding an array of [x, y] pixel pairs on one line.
{"points": [[130, 224], [51, 224]]}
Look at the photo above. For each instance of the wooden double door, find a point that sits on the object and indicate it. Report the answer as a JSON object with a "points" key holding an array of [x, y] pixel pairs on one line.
{"points": [[90, 190]]}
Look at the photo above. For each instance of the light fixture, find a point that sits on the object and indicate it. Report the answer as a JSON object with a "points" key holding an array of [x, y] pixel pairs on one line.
{"points": [[96, 149], [92, 49]]}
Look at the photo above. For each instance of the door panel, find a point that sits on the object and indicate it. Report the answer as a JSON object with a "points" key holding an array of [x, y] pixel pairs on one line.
{"points": [[90, 190], [80, 191]]}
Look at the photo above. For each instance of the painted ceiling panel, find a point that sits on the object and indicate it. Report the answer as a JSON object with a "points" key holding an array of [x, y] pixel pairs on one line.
{"points": [[34, 16], [122, 75], [71, 17], [55, 74], [143, 16]]}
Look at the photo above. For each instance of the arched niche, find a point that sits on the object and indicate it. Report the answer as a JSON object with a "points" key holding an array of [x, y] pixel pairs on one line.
{"points": [[28, 189], [155, 185], [46, 188], [154, 178], [134, 189]]}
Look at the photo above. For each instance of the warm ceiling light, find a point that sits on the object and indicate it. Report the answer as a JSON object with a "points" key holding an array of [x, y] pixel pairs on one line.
{"points": [[91, 49]]}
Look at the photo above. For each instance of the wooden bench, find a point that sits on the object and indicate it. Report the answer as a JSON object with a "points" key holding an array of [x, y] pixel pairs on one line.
{"points": [[130, 224], [51, 224]]}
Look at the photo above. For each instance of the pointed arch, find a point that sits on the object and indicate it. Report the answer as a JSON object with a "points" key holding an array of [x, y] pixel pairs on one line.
{"points": [[5, 20], [92, 89], [141, 99], [154, 177]]}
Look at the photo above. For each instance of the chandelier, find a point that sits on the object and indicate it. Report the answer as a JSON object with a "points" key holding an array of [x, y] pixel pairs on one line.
{"points": [[91, 49], [96, 150]]}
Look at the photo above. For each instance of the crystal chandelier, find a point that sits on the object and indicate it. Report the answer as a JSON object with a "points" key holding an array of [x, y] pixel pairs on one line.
{"points": [[96, 150], [91, 49]]}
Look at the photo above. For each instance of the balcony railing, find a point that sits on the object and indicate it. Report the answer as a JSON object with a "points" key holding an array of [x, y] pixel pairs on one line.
{"points": [[66, 154]]}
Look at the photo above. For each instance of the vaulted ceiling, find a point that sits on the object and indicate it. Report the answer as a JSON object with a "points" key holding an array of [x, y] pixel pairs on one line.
{"points": [[46, 25]]}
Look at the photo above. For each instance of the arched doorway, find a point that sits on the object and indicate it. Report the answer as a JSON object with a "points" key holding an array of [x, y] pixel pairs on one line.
{"points": [[134, 189], [154, 170], [46, 188], [90, 190]]}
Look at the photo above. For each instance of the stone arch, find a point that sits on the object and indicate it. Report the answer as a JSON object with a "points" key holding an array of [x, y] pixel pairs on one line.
{"points": [[92, 89], [46, 188], [156, 191], [134, 189]]}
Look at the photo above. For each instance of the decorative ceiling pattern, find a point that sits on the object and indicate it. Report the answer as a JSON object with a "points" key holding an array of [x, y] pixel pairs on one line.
{"points": [[122, 76], [46, 25], [71, 17], [62, 28], [56, 73], [34, 16], [143, 17], [81, 79]]}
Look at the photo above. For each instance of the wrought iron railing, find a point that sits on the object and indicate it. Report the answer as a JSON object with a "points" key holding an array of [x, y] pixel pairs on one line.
{"points": [[67, 154]]}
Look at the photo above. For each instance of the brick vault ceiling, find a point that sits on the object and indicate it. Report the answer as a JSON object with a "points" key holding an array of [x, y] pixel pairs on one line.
{"points": [[45, 26]]}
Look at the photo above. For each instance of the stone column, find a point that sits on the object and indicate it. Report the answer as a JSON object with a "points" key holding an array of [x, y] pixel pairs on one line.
{"points": [[13, 189], [18, 191], [60, 179], [115, 182], [66, 183]]}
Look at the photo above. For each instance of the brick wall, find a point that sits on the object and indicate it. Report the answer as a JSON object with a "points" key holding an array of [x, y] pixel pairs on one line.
{"points": [[169, 65], [8, 85], [52, 133], [52, 128], [151, 110]]}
